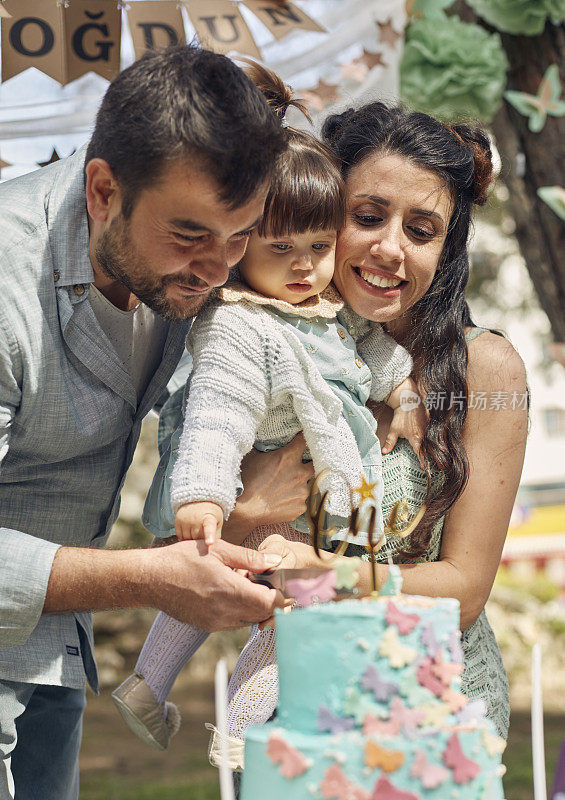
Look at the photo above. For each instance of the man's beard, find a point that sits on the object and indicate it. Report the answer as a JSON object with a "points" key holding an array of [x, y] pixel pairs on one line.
{"points": [[117, 257]]}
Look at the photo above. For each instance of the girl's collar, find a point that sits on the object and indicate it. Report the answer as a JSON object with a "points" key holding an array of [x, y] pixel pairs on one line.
{"points": [[326, 304]]}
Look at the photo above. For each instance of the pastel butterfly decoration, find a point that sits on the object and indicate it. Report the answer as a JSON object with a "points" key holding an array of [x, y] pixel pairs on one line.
{"points": [[455, 700], [409, 718], [373, 725], [475, 711], [307, 591], [358, 705], [384, 790], [435, 714], [493, 744], [427, 678], [380, 757], [292, 762], [428, 640], [455, 647], [336, 786], [446, 670], [372, 682], [415, 694], [464, 770], [327, 721], [404, 622], [347, 572], [398, 654], [537, 106], [431, 775]]}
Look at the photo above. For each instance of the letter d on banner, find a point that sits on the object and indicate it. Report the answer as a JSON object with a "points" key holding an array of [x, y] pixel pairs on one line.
{"points": [[220, 27], [33, 37], [155, 25], [93, 30]]}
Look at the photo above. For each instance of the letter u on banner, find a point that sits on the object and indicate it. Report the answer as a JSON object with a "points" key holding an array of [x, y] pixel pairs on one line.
{"points": [[155, 24], [220, 27], [33, 37], [93, 31], [282, 18]]}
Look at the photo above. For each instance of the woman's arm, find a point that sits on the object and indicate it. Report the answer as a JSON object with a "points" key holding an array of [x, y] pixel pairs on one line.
{"points": [[476, 526]]}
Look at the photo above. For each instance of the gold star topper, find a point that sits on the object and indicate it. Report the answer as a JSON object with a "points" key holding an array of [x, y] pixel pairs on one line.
{"points": [[366, 490]]}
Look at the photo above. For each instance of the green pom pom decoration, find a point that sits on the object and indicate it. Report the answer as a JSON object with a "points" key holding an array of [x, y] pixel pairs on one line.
{"points": [[452, 70], [520, 16]]}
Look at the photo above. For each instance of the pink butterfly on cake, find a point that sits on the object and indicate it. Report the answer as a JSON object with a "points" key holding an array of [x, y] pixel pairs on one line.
{"points": [[372, 682], [427, 678], [446, 670], [307, 591], [373, 725], [431, 775], [327, 721], [292, 762], [336, 786], [404, 622], [408, 718], [464, 770], [398, 654], [384, 790]]}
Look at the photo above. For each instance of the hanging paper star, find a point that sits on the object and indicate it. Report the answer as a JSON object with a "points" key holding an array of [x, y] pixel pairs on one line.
{"points": [[554, 196], [366, 489], [321, 95], [546, 101], [3, 163], [355, 71], [387, 33], [54, 157], [371, 60]]}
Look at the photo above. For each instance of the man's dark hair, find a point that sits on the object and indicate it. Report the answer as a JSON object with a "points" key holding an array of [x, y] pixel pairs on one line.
{"points": [[186, 103]]}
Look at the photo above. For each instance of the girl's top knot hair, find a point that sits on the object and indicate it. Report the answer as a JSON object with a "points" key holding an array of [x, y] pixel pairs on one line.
{"points": [[477, 141], [276, 92]]}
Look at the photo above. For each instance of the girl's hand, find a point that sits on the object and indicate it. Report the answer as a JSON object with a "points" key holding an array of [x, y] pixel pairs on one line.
{"points": [[294, 555], [410, 417], [199, 521]]}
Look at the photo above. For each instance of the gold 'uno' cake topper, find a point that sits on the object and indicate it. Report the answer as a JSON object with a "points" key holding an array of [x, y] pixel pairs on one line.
{"points": [[398, 522]]}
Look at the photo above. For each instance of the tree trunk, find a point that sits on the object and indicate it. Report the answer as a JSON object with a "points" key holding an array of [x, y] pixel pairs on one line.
{"points": [[532, 160]]}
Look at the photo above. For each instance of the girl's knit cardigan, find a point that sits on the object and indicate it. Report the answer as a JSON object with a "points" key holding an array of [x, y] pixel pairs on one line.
{"points": [[253, 380]]}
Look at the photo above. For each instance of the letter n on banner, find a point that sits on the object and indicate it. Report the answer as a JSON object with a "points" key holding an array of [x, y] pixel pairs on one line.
{"points": [[33, 37], [93, 31], [155, 25], [282, 18], [220, 27]]}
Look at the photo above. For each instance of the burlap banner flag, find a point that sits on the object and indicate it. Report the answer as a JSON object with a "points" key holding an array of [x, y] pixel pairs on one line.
{"points": [[220, 27], [33, 37], [3, 11], [155, 24], [93, 32], [282, 18]]}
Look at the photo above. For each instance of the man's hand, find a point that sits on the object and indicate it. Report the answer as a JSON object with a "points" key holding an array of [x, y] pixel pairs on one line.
{"points": [[275, 489], [198, 584], [201, 520]]}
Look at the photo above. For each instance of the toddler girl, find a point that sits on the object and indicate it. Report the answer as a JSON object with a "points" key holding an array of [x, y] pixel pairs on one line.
{"points": [[274, 353]]}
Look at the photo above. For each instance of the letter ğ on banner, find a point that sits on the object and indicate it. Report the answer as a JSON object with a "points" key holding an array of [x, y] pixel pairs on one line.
{"points": [[282, 18], [33, 37], [155, 24], [93, 30], [220, 27]]}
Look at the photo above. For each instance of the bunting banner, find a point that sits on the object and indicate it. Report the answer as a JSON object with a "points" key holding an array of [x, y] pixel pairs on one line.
{"points": [[282, 18], [33, 36], [93, 32], [220, 27], [3, 11], [155, 24]]}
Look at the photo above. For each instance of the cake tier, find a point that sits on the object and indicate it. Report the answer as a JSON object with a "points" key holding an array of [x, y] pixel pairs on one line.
{"points": [[459, 763], [385, 658]]}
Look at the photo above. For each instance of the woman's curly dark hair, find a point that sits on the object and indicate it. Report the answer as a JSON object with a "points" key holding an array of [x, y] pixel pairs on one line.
{"points": [[461, 157]]}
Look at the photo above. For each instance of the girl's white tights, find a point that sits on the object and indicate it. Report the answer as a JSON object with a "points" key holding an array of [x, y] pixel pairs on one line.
{"points": [[253, 688]]}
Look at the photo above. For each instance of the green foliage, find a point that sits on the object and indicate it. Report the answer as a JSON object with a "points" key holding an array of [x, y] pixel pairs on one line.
{"points": [[538, 586], [452, 69], [519, 16]]}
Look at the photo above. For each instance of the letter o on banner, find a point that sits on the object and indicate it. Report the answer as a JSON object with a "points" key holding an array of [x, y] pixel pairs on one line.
{"points": [[16, 37]]}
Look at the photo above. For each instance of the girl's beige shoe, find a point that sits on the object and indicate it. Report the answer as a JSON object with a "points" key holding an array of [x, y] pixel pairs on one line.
{"points": [[152, 722]]}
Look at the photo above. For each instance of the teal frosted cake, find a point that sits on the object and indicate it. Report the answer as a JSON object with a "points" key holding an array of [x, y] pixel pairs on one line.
{"points": [[370, 708]]}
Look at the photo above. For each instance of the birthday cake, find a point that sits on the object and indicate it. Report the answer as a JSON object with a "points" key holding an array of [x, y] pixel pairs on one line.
{"points": [[370, 708]]}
